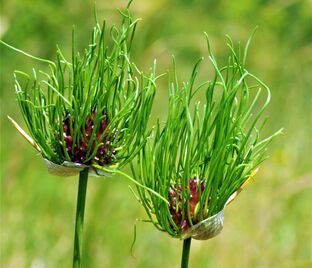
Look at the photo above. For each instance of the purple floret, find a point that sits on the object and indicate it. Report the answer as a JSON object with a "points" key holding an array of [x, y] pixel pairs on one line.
{"points": [[105, 153], [175, 203]]}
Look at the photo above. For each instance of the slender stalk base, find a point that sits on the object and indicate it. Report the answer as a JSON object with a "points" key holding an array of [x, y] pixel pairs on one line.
{"points": [[186, 252], [81, 198]]}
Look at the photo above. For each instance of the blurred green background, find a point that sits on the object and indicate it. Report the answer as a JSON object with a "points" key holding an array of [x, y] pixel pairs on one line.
{"points": [[269, 225]]}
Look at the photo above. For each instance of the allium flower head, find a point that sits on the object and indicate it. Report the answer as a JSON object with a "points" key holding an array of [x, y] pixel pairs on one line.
{"points": [[89, 114], [203, 155], [90, 111]]}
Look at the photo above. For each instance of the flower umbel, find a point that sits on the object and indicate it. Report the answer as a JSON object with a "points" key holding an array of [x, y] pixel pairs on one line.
{"points": [[88, 114], [204, 154], [92, 110]]}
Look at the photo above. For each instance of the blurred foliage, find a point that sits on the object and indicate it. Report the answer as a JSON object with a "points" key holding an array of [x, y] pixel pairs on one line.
{"points": [[269, 225]]}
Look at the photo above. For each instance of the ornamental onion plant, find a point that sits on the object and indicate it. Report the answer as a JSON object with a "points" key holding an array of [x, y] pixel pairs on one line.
{"points": [[204, 154], [88, 115]]}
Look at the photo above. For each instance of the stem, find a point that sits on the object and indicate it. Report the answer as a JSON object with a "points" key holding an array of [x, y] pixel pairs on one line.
{"points": [[81, 198], [186, 252]]}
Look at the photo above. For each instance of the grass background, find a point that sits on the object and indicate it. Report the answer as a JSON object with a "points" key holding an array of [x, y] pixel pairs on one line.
{"points": [[269, 225]]}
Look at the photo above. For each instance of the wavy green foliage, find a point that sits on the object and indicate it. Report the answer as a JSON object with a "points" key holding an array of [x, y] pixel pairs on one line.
{"points": [[218, 142]]}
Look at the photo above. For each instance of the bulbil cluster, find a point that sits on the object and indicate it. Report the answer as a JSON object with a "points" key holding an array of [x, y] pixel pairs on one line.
{"points": [[100, 138], [181, 219]]}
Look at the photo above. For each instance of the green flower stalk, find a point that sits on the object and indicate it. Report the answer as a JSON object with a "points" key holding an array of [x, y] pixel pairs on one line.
{"points": [[88, 115], [203, 155]]}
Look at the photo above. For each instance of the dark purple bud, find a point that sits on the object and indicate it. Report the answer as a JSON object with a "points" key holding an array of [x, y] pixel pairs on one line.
{"points": [[175, 203], [68, 140], [104, 154]]}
